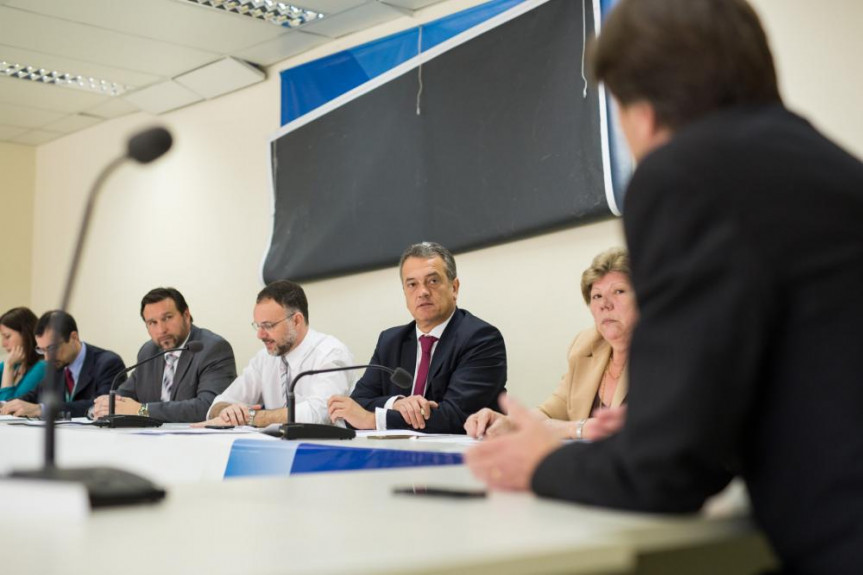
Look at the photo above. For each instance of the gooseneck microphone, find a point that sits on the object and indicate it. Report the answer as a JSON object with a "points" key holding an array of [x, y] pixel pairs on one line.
{"points": [[105, 485], [122, 420], [292, 430]]}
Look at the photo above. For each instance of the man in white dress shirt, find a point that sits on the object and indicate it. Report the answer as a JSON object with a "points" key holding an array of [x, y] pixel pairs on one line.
{"points": [[257, 396]]}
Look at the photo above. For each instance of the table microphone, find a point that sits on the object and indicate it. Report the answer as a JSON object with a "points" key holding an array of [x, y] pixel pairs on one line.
{"points": [[105, 485], [292, 430], [122, 420]]}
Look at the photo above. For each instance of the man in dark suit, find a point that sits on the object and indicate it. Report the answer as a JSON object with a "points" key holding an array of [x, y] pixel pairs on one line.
{"points": [[745, 229], [83, 370], [458, 360], [179, 386]]}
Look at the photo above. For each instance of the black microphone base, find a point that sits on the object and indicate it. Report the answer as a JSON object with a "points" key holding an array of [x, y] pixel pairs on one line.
{"points": [[315, 431], [106, 486], [118, 420]]}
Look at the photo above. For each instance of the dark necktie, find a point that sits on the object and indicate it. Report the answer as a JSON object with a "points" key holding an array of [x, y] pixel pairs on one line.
{"points": [[426, 344], [70, 382]]}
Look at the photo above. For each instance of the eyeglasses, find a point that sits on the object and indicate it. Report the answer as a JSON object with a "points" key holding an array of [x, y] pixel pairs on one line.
{"points": [[49, 349], [269, 325]]}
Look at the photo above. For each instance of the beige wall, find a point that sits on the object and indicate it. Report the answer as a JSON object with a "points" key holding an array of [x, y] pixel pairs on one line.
{"points": [[200, 218], [17, 172]]}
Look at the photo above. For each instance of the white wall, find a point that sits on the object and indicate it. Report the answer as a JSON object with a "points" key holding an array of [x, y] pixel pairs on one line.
{"points": [[17, 171], [200, 219]]}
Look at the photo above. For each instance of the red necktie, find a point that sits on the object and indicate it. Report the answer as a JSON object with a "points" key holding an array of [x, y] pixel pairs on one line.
{"points": [[426, 344], [70, 381]]}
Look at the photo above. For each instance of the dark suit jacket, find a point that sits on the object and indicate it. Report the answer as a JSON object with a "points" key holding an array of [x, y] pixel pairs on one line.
{"points": [[199, 378], [100, 367], [467, 372], [746, 240]]}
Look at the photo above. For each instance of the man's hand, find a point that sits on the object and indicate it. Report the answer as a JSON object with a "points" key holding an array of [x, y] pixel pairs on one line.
{"points": [[508, 461], [415, 410], [343, 407], [122, 405], [235, 414], [480, 422], [21, 409]]}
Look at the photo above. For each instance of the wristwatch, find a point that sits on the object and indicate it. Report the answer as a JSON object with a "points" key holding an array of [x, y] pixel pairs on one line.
{"points": [[252, 414], [144, 410], [579, 428]]}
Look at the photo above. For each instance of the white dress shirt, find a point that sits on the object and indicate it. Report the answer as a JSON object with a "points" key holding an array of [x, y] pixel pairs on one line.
{"points": [[436, 331], [261, 380]]}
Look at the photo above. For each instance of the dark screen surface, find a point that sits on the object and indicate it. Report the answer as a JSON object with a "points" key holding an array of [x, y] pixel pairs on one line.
{"points": [[506, 146]]}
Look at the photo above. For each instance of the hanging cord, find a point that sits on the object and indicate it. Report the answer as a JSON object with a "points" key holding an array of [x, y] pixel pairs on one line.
{"points": [[419, 69], [583, 44]]}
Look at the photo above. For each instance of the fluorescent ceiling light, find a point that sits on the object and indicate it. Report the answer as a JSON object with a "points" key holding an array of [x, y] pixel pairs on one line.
{"points": [[278, 13], [43, 76]]}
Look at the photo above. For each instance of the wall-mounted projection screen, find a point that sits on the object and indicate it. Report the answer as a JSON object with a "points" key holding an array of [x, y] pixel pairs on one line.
{"points": [[506, 144]]}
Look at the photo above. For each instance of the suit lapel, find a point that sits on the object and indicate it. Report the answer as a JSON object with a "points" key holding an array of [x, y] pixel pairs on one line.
{"points": [[85, 377], [444, 349], [182, 365]]}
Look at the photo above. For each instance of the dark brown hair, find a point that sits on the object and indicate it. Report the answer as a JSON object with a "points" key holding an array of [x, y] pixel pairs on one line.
{"points": [[686, 58], [288, 294], [22, 320]]}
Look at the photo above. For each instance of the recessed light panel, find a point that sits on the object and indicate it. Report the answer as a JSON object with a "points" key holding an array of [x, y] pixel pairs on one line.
{"points": [[278, 13], [45, 76]]}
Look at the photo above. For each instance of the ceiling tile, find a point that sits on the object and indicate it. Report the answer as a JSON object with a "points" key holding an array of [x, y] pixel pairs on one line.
{"points": [[281, 48], [73, 123], [23, 117], [411, 4], [329, 7], [221, 77], [36, 137], [44, 34], [47, 96], [175, 21], [359, 18], [163, 97], [113, 108], [8, 132]]}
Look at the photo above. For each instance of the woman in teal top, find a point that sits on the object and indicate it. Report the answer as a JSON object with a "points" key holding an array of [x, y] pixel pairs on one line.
{"points": [[22, 370]]}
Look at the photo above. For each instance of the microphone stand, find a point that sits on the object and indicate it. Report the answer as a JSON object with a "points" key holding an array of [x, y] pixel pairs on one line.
{"points": [[123, 420], [105, 485], [293, 430]]}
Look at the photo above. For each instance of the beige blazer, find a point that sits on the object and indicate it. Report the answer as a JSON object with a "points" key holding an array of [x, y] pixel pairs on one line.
{"points": [[588, 356]]}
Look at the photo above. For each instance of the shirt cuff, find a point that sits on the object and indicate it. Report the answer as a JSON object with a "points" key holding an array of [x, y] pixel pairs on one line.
{"points": [[392, 400], [381, 418]]}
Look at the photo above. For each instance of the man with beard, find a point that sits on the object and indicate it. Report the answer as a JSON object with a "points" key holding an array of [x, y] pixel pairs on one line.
{"points": [[257, 396], [180, 386]]}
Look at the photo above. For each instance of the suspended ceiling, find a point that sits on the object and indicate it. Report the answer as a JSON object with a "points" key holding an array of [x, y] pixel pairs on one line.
{"points": [[150, 47]]}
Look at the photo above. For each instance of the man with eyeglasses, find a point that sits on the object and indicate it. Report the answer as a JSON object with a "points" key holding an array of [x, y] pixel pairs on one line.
{"points": [[257, 396], [84, 370], [181, 385], [458, 360]]}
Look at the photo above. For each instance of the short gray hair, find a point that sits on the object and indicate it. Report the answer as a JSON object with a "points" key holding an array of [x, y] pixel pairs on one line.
{"points": [[428, 250]]}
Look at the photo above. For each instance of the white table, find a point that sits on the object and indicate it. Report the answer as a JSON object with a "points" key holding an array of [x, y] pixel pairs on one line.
{"points": [[345, 522]]}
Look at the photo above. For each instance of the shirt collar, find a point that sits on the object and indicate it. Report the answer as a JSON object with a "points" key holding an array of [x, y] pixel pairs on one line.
{"points": [[78, 363], [436, 331]]}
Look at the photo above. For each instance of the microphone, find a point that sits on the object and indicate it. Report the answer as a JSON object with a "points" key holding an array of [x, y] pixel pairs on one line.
{"points": [[146, 146], [105, 485], [292, 430], [115, 420]]}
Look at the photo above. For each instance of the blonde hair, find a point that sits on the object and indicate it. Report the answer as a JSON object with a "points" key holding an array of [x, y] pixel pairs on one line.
{"points": [[611, 260]]}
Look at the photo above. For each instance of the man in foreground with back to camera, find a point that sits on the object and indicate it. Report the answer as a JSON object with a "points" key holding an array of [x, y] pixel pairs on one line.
{"points": [[257, 396], [179, 386], [744, 226], [458, 360], [84, 371]]}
